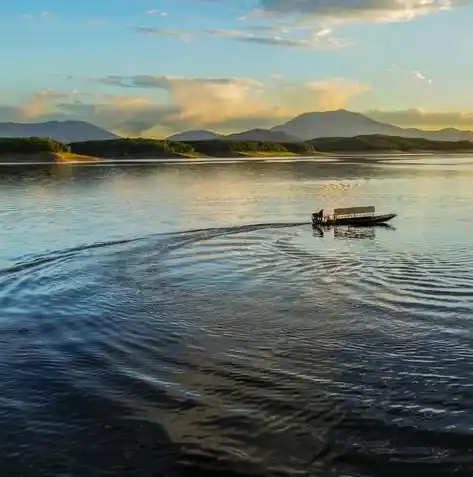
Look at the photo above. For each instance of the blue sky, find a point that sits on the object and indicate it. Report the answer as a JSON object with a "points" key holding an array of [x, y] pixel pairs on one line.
{"points": [[153, 67]]}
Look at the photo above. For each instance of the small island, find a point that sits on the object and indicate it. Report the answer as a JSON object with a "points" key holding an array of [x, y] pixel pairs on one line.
{"points": [[36, 149]]}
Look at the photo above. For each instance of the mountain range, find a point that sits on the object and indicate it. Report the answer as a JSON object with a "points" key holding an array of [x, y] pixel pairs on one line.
{"points": [[340, 123], [307, 126], [258, 134], [63, 131]]}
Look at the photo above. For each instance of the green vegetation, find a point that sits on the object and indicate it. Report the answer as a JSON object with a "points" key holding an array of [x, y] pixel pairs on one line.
{"points": [[151, 148], [131, 148], [224, 148], [26, 149], [302, 148], [377, 142], [28, 145]]}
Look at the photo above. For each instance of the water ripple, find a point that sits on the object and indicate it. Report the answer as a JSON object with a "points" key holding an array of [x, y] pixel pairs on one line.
{"points": [[253, 350]]}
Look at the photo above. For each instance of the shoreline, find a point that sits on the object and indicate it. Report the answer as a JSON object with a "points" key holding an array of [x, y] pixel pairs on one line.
{"points": [[72, 158], [46, 158], [143, 150]]}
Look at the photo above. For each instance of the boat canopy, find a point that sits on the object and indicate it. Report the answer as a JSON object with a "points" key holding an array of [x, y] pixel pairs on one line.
{"points": [[354, 211]]}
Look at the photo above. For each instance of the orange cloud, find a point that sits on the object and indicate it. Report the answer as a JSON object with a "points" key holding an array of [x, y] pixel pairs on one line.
{"points": [[425, 119], [167, 104]]}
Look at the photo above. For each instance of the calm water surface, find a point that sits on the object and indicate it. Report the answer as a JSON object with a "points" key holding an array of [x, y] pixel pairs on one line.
{"points": [[185, 320]]}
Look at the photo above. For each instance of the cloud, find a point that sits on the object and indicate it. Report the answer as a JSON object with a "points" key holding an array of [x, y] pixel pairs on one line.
{"points": [[127, 115], [39, 103], [259, 34], [424, 119], [209, 100], [160, 105], [270, 29], [156, 106], [44, 15], [416, 74], [319, 39], [283, 18], [173, 33], [157, 12], [354, 10]]}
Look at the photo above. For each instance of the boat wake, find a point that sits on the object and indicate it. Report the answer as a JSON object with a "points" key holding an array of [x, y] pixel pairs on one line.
{"points": [[261, 349]]}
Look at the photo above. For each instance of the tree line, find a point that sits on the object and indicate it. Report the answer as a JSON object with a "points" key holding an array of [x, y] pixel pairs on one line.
{"points": [[378, 142], [29, 145], [154, 148], [142, 148]]}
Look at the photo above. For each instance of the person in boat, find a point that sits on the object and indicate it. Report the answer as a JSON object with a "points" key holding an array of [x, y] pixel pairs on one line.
{"points": [[318, 216]]}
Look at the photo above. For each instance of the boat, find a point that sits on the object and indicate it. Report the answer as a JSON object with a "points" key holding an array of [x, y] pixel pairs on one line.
{"points": [[363, 216]]}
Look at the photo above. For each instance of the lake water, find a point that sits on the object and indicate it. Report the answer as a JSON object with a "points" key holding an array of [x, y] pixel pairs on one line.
{"points": [[184, 319]]}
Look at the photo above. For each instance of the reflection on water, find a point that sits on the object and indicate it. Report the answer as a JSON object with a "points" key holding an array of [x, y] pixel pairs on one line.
{"points": [[187, 320], [348, 232], [354, 232]]}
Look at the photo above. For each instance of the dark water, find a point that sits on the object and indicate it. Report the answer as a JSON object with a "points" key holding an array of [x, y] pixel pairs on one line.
{"points": [[185, 320]]}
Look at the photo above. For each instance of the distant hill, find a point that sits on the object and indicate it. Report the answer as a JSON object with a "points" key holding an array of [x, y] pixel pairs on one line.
{"points": [[263, 135], [339, 123], [447, 134], [342, 123], [197, 135], [259, 135], [306, 127], [63, 131]]}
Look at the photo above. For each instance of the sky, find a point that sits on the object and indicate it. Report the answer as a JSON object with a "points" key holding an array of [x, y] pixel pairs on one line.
{"points": [[155, 67]]}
